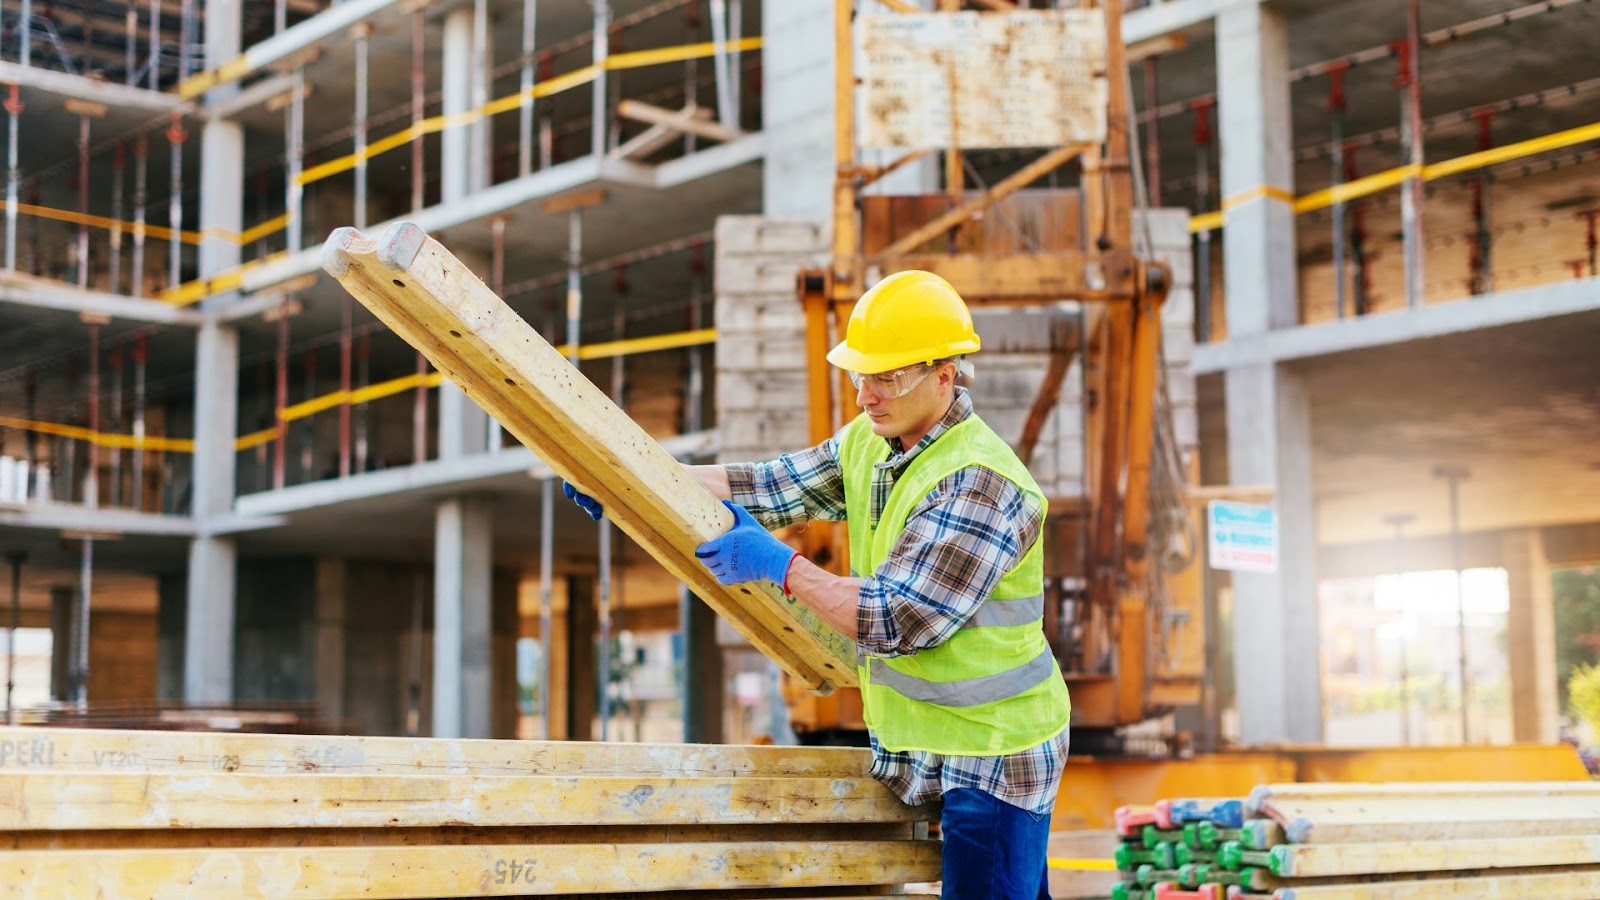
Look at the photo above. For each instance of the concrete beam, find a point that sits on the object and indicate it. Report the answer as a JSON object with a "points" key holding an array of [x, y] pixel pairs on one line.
{"points": [[481, 205], [77, 87], [64, 517], [1275, 622], [24, 291], [1401, 326], [462, 572], [1256, 131], [1161, 19], [438, 476], [1531, 638]]}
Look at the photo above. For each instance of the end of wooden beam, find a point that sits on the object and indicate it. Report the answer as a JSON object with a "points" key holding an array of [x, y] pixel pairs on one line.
{"points": [[400, 244]]}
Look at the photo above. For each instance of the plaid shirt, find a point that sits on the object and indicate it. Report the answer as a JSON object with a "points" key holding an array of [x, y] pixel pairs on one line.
{"points": [[957, 544]]}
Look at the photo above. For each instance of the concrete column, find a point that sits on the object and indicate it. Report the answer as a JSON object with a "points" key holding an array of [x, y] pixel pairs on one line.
{"points": [[1275, 630], [332, 584], [797, 104], [1257, 168], [461, 618], [209, 628], [1531, 637]]}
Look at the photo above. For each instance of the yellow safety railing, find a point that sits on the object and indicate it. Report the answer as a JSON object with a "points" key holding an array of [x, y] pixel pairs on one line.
{"points": [[334, 399], [1382, 181], [1083, 865], [199, 289]]}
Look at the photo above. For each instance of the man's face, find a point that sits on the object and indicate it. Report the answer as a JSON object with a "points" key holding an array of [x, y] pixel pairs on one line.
{"points": [[905, 402]]}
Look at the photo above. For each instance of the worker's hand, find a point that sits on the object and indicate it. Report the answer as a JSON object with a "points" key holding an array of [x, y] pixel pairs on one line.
{"points": [[585, 502], [747, 552]]}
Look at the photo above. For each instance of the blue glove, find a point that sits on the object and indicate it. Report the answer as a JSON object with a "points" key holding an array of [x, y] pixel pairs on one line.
{"points": [[747, 552], [585, 502]]}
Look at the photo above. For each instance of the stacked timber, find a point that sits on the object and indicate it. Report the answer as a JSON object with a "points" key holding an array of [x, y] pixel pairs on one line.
{"points": [[89, 813], [1367, 842]]}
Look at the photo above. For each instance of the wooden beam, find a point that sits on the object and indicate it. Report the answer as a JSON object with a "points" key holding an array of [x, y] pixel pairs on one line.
{"points": [[493, 870], [1044, 402], [434, 302], [1003, 188], [89, 750], [679, 120], [101, 802], [1507, 852], [576, 200]]}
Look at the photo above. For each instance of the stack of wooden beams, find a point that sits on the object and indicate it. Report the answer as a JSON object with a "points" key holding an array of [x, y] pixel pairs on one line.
{"points": [[91, 813], [1367, 842]]}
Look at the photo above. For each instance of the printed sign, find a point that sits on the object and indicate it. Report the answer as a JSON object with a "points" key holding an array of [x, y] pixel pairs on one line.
{"points": [[1244, 536], [1029, 78]]}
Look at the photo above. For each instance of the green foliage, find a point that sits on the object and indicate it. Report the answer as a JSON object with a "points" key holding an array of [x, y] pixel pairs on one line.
{"points": [[1583, 696], [1577, 614]]}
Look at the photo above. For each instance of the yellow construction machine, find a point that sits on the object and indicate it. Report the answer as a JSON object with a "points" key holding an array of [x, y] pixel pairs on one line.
{"points": [[1077, 246]]}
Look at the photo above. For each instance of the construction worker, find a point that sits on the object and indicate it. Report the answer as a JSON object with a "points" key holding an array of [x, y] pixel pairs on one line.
{"points": [[960, 691]]}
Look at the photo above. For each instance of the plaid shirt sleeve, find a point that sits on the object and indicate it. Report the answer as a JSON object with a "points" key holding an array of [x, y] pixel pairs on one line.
{"points": [[795, 487], [956, 545]]}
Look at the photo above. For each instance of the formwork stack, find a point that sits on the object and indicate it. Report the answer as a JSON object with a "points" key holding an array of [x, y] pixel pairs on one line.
{"points": [[91, 813], [1366, 842]]}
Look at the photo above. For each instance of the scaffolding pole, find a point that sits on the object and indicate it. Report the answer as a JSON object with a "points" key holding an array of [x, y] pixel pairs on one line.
{"points": [[294, 153], [530, 11], [1410, 81], [280, 401], [141, 174], [719, 63], [13, 111], [546, 596], [141, 353], [363, 32], [1336, 108], [364, 376], [119, 165], [602, 33], [116, 424], [175, 139], [418, 108], [82, 244], [16, 558]]}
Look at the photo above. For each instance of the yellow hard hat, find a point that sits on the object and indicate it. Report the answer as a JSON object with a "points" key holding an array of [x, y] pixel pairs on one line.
{"points": [[910, 317]]}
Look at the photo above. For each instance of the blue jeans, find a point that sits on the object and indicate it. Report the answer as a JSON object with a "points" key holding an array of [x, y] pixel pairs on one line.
{"points": [[992, 850]]}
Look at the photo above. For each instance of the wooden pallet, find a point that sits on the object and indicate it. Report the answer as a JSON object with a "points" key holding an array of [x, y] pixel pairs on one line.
{"points": [[95, 813], [434, 302]]}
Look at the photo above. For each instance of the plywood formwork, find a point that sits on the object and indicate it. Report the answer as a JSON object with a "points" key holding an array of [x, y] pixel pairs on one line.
{"points": [[95, 813], [434, 302]]}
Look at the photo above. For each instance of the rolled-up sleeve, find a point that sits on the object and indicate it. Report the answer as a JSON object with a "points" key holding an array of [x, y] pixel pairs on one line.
{"points": [[795, 487], [956, 546]]}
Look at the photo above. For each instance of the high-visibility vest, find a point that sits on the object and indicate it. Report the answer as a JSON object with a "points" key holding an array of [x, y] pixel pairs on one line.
{"points": [[994, 687]]}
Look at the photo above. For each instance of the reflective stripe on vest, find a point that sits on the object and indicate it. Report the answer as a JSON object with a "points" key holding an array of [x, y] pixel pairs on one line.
{"points": [[1020, 611], [969, 691]]}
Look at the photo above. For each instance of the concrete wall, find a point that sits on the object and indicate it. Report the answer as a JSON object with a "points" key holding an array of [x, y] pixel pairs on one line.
{"points": [[761, 388]]}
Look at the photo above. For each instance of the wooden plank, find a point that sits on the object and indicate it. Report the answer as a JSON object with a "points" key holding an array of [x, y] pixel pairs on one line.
{"points": [[95, 750], [576, 200], [1438, 819], [78, 801], [1025, 277], [436, 304], [1565, 885], [1286, 793], [1510, 851], [457, 871], [678, 120]]}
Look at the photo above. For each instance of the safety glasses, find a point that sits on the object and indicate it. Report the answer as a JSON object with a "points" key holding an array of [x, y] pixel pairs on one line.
{"points": [[894, 384]]}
